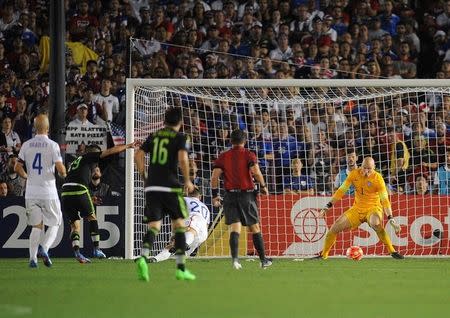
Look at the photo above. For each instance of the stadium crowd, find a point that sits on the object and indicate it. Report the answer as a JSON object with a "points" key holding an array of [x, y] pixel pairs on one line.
{"points": [[275, 39]]}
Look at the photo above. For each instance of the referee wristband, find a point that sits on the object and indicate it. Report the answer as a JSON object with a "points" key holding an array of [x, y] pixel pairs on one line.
{"points": [[215, 192], [390, 217], [329, 205]]}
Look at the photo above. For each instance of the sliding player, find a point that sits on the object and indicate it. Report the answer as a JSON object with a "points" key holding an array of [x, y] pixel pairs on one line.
{"points": [[196, 227], [371, 199]]}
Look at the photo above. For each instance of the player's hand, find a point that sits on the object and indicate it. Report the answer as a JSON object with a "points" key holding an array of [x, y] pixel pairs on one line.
{"points": [[188, 187], [395, 225], [96, 200], [217, 201], [263, 190], [323, 212]]}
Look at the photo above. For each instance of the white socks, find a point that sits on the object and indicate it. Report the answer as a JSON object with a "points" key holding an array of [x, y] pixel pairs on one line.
{"points": [[34, 242], [49, 238]]}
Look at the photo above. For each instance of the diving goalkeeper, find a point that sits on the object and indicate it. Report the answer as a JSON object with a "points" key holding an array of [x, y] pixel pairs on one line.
{"points": [[371, 200]]}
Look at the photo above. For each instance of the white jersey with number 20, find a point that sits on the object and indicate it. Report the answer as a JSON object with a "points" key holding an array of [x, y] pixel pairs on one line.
{"points": [[199, 218]]}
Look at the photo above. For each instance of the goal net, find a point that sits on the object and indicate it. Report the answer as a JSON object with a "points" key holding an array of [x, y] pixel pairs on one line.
{"points": [[307, 136]]}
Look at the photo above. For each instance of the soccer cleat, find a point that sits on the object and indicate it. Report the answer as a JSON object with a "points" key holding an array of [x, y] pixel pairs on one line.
{"points": [[81, 258], [152, 260], [186, 275], [266, 263], [46, 259], [316, 258], [142, 269], [33, 264], [237, 265], [98, 253], [397, 255]]}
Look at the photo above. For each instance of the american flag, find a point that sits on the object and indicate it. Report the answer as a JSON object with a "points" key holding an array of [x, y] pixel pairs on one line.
{"points": [[117, 134]]}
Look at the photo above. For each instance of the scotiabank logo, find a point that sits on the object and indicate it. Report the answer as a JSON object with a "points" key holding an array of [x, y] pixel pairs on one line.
{"points": [[425, 225]]}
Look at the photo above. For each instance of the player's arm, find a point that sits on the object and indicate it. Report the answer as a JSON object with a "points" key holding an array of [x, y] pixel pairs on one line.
{"points": [[116, 149], [340, 192], [183, 161], [19, 169], [61, 168], [217, 172], [386, 204], [139, 159], [256, 172]]}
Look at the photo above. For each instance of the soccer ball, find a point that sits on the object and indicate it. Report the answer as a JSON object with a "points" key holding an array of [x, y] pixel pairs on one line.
{"points": [[355, 253]]}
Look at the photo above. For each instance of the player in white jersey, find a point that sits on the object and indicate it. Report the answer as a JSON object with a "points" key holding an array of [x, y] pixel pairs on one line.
{"points": [[196, 227], [41, 155]]}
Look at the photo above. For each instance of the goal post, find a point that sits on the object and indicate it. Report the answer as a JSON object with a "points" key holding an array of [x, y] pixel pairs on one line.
{"points": [[302, 132]]}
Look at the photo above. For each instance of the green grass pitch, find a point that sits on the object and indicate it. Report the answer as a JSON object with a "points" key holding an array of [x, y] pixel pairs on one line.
{"points": [[333, 288]]}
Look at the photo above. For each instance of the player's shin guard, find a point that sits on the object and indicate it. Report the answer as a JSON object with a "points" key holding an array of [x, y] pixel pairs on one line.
{"points": [[93, 231], [75, 237], [234, 244], [384, 237], [34, 243], [148, 240], [330, 239], [259, 245], [180, 246]]}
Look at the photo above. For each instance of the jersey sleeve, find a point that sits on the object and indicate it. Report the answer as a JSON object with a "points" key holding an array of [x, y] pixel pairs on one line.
{"points": [[146, 146], [22, 153], [219, 162], [56, 153], [382, 192], [183, 142], [342, 190]]}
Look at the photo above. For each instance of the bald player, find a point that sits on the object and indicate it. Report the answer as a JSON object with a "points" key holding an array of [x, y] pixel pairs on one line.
{"points": [[371, 200], [41, 155]]}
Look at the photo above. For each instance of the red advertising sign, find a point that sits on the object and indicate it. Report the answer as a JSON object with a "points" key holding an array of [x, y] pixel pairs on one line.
{"points": [[291, 226]]}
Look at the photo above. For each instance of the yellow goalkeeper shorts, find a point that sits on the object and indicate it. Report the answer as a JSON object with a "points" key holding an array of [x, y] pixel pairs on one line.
{"points": [[356, 215]]}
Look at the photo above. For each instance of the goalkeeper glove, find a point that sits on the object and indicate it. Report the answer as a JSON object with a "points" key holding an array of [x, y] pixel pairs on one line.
{"points": [[394, 224]]}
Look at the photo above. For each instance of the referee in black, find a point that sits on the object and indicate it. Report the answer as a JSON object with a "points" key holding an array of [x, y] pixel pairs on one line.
{"points": [[163, 192], [239, 166]]}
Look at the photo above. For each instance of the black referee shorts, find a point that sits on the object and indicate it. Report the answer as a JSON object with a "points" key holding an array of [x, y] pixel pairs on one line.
{"points": [[158, 204], [240, 207], [76, 201]]}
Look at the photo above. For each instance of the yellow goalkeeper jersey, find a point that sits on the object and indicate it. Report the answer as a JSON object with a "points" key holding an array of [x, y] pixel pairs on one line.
{"points": [[369, 191]]}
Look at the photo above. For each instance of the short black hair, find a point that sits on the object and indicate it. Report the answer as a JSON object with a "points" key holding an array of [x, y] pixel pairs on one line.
{"points": [[237, 137], [173, 116], [93, 148]]}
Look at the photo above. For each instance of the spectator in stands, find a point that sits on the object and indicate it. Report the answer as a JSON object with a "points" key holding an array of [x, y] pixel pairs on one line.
{"points": [[79, 23], [421, 186], [12, 138], [442, 177], [296, 182], [351, 160], [398, 158], [98, 189], [3, 189], [81, 117], [16, 182], [108, 102]]}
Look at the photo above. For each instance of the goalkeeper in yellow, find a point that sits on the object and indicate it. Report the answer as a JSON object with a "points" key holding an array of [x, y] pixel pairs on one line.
{"points": [[371, 200]]}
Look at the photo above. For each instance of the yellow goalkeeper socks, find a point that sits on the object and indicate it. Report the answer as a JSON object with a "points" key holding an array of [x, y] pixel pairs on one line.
{"points": [[330, 239], [384, 237]]}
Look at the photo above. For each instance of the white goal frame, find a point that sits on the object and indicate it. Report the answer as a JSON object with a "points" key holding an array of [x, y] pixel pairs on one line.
{"points": [[132, 84]]}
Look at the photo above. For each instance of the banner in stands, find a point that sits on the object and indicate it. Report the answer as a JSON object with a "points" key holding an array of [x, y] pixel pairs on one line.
{"points": [[77, 135], [14, 232], [291, 226]]}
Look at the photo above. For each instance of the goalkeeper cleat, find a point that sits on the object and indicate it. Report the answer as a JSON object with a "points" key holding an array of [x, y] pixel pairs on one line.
{"points": [[184, 275], [397, 255], [237, 265], [142, 269], [316, 258], [33, 264], [81, 258], [46, 259], [98, 253], [266, 263]]}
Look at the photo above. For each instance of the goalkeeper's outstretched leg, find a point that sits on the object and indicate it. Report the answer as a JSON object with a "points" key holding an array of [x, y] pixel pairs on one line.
{"points": [[376, 224]]}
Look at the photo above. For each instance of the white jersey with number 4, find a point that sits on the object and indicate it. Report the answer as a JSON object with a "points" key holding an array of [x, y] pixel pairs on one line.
{"points": [[199, 218], [39, 155]]}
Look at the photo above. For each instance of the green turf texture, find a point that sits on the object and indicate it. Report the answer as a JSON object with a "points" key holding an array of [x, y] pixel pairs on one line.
{"points": [[333, 288]]}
